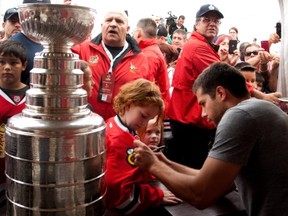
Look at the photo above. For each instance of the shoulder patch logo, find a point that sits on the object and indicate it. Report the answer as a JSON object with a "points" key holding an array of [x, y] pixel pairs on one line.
{"points": [[132, 68], [94, 59]]}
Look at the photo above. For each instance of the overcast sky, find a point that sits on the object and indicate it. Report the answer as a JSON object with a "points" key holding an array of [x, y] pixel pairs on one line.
{"points": [[253, 18]]}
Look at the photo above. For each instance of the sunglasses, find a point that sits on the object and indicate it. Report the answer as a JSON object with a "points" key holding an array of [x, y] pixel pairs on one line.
{"points": [[249, 53]]}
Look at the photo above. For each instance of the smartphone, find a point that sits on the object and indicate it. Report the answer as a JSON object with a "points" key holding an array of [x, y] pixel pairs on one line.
{"points": [[232, 46], [265, 45], [278, 29]]}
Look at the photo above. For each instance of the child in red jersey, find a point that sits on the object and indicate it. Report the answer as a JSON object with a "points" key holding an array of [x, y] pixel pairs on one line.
{"points": [[130, 191], [152, 134], [13, 60]]}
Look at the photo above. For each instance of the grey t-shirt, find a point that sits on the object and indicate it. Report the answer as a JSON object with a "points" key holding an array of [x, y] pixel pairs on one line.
{"points": [[254, 134]]}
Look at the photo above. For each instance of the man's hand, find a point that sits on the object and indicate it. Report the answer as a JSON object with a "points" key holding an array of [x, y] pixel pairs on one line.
{"points": [[274, 63], [273, 97], [144, 156], [274, 38], [264, 56]]}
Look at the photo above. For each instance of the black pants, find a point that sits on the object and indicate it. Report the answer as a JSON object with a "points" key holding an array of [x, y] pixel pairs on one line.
{"points": [[189, 145]]}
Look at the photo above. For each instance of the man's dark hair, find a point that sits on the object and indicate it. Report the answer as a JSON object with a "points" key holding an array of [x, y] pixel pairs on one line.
{"points": [[221, 74]]}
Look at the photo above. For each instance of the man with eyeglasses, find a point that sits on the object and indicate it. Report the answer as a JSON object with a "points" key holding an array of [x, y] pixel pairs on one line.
{"points": [[191, 132], [10, 23]]}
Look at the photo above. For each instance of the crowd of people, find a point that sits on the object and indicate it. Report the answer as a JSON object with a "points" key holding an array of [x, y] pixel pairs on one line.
{"points": [[215, 111]]}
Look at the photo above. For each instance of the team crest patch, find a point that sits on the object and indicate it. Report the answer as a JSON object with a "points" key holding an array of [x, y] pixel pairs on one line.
{"points": [[211, 7], [132, 68], [16, 99], [94, 59], [131, 156]]}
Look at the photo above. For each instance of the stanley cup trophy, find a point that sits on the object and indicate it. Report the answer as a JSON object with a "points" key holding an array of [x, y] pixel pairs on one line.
{"points": [[55, 149]]}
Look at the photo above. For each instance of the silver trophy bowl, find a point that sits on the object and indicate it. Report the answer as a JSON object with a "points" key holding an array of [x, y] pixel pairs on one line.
{"points": [[55, 149], [56, 23]]}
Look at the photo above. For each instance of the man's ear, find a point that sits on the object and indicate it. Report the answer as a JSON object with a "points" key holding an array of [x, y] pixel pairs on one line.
{"points": [[221, 93], [137, 36]]}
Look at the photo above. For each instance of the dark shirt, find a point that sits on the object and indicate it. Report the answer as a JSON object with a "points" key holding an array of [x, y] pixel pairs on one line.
{"points": [[173, 27], [31, 47]]}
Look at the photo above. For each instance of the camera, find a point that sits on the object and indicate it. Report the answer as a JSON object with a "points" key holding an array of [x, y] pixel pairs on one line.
{"points": [[171, 20], [278, 29]]}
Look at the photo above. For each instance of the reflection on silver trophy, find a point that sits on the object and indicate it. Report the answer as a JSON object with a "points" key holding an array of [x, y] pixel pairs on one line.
{"points": [[55, 149]]}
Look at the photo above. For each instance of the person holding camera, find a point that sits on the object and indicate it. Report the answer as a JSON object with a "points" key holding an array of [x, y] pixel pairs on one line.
{"points": [[178, 25], [228, 51]]}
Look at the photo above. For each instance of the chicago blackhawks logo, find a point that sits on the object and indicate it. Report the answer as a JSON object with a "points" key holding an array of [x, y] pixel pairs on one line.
{"points": [[131, 156]]}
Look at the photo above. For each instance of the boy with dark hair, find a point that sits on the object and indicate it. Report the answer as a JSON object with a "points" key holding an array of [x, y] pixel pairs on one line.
{"points": [[248, 71], [260, 82], [13, 60]]}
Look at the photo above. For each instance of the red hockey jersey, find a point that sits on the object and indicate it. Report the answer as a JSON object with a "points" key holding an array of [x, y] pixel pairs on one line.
{"points": [[129, 189], [8, 108]]}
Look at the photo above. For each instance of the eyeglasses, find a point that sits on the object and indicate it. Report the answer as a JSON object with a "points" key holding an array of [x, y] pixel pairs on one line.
{"points": [[255, 52], [208, 20]]}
